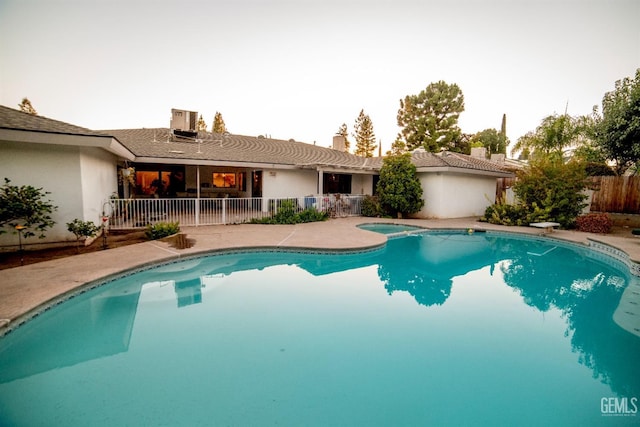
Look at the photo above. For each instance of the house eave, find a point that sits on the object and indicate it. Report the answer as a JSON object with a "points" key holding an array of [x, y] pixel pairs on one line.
{"points": [[464, 171], [105, 142], [340, 169], [209, 162]]}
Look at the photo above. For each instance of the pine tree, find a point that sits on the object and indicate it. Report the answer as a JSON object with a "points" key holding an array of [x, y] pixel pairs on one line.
{"points": [[218, 124], [201, 126], [430, 119], [398, 147], [364, 135], [26, 107], [342, 131]]}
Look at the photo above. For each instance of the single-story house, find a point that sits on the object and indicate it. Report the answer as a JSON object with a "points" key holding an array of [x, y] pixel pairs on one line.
{"points": [[85, 170]]}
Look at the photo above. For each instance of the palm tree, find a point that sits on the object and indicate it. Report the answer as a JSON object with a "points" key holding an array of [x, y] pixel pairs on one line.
{"points": [[554, 135]]}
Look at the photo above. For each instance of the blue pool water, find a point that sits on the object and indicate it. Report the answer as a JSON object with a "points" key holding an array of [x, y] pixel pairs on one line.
{"points": [[432, 329]]}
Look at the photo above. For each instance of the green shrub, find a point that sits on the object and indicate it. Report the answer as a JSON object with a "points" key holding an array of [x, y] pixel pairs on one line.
{"points": [[399, 189], [82, 229], [594, 223], [550, 190], [162, 229], [312, 215], [287, 215], [371, 207], [505, 214]]}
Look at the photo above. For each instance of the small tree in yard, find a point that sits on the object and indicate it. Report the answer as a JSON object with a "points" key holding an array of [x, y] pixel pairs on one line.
{"points": [[82, 229], [26, 206], [399, 189], [547, 190]]}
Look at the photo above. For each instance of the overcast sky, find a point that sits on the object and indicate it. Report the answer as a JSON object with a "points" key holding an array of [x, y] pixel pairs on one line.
{"points": [[300, 68]]}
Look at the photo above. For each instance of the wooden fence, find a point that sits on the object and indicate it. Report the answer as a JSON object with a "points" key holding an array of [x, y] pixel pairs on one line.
{"points": [[620, 194], [615, 194]]}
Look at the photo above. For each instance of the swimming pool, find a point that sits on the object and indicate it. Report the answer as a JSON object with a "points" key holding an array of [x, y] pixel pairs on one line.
{"points": [[434, 328]]}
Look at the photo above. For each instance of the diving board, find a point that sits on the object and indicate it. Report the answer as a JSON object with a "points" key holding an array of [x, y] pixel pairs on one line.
{"points": [[548, 226]]}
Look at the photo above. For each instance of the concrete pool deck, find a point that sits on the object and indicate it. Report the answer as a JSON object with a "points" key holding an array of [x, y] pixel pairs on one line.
{"points": [[24, 290]]}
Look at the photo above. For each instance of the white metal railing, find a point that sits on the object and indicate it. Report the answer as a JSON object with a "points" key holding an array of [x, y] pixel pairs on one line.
{"points": [[138, 213]]}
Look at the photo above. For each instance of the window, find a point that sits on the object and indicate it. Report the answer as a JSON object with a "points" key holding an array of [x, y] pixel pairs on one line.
{"points": [[152, 183], [336, 183], [152, 180], [224, 180]]}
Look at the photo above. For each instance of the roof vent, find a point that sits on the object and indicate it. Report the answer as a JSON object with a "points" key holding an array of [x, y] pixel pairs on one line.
{"points": [[292, 140], [260, 136]]}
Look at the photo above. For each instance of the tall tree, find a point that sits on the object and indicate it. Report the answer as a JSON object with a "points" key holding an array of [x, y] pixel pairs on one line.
{"points": [[202, 125], [364, 135], [618, 131], [398, 147], [504, 141], [218, 124], [430, 119], [26, 107], [342, 131]]}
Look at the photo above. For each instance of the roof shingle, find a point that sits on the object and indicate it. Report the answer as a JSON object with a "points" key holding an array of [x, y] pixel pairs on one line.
{"points": [[18, 120]]}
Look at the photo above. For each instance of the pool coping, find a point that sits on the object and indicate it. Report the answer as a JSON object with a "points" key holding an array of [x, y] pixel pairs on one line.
{"points": [[29, 290]]}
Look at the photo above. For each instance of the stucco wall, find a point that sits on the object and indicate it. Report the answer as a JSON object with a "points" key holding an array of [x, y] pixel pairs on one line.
{"points": [[54, 168], [280, 183], [448, 195], [362, 184], [98, 180]]}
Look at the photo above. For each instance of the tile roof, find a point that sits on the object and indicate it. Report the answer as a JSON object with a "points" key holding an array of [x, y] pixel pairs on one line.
{"points": [[448, 159], [18, 120], [159, 144]]}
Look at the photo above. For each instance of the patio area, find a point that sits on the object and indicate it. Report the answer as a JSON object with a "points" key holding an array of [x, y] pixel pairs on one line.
{"points": [[25, 290]]}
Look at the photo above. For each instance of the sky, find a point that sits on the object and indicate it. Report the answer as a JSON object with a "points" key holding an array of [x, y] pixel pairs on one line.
{"points": [[300, 68]]}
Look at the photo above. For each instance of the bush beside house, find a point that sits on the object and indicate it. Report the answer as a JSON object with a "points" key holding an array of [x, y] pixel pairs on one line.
{"points": [[399, 189], [547, 190]]}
